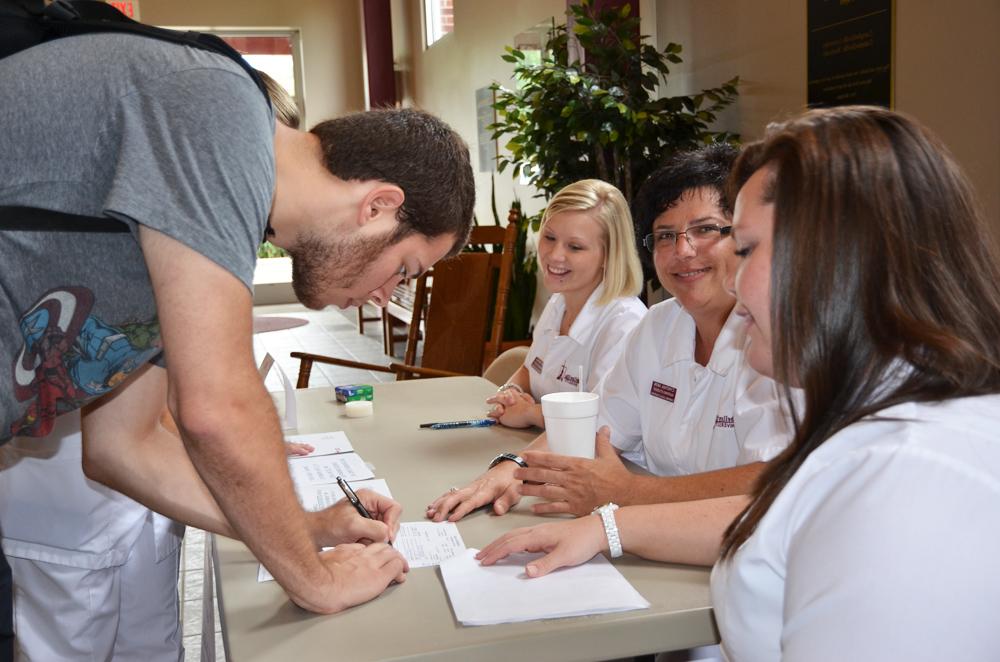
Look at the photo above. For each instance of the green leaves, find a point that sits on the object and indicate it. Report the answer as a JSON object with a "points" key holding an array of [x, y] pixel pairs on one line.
{"points": [[570, 120]]}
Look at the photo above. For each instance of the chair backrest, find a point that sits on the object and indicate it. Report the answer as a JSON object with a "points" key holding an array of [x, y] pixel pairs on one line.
{"points": [[504, 366], [463, 301]]}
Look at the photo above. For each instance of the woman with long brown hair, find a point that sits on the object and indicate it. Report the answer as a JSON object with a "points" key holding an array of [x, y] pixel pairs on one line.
{"points": [[868, 279]]}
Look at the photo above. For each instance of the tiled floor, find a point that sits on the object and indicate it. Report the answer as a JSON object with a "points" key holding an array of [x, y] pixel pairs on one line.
{"points": [[329, 332]]}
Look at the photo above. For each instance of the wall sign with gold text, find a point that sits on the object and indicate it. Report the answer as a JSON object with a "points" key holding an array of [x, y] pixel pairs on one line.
{"points": [[850, 52]]}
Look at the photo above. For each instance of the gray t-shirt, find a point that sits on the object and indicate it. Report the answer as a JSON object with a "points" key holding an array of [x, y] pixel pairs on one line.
{"points": [[173, 138]]}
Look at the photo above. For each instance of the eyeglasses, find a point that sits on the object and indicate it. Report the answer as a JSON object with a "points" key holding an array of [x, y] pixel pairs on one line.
{"points": [[697, 237]]}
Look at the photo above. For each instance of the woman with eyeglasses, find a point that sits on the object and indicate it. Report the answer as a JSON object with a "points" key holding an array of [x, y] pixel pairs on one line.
{"points": [[681, 401], [868, 278], [588, 261]]}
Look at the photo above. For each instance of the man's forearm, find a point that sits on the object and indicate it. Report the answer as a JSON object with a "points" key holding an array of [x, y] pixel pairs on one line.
{"points": [[156, 471], [233, 480], [734, 481], [238, 453]]}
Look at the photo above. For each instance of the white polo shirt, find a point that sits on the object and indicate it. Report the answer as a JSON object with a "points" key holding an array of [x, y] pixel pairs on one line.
{"points": [[675, 417], [593, 344], [882, 546]]}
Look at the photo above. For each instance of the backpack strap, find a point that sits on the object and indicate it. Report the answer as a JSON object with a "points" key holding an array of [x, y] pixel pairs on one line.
{"points": [[31, 25], [33, 219]]}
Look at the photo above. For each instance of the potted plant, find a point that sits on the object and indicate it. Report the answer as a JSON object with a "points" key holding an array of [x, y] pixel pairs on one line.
{"points": [[600, 118]]}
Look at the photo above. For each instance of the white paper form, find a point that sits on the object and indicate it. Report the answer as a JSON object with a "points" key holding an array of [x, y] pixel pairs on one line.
{"points": [[502, 593], [318, 497], [324, 443], [325, 469], [427, 544], [422, 544]]}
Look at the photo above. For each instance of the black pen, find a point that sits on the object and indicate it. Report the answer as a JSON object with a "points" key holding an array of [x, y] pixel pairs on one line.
{"points": [[353, 498]]}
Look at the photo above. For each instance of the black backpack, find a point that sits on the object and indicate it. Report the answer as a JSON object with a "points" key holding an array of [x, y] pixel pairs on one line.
{"points": [[27, 23]]}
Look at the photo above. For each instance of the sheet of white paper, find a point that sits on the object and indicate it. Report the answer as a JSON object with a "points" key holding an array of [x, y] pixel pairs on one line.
{"points": [[426, 544], [265, 365], [502, 593], [326, 468], [318, 497], [423, 544], [290, 420], [324, 443]]}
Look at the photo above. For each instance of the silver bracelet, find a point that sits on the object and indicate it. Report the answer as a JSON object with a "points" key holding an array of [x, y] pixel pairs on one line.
{"points": [[508, 457], [508, 386], [607, 513]]}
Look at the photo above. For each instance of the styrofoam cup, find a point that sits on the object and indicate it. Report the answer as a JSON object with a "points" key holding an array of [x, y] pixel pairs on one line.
{"points": [[571, 422]]}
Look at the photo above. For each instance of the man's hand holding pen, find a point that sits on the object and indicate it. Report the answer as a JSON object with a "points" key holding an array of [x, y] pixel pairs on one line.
{"points": [[342, 522]]}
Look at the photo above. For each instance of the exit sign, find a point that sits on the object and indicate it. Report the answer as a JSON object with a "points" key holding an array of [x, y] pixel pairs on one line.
{"points": [[128, 7]]}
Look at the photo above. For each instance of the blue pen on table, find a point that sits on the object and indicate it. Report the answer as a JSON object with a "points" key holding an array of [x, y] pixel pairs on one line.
{"points": [[471, 423]]}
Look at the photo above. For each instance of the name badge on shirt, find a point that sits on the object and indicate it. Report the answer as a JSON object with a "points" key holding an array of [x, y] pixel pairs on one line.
{"points": [[663, 392], [725, 422], [537, 364]]}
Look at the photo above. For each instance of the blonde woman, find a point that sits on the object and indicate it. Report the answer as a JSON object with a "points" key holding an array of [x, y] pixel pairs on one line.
{"points": [[588, 260]]}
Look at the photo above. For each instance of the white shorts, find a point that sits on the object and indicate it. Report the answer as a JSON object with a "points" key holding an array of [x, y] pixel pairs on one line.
{"points": [[122, 613]]}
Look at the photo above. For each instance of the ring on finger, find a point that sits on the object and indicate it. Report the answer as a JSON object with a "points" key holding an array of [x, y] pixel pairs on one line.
{"points": [[453, 489]]}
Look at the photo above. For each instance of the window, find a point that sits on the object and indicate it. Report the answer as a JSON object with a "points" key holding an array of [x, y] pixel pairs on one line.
{"points": [[277, 53], [439, 20]]}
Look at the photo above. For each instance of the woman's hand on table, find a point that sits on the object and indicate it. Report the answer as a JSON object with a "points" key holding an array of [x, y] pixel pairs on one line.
{"points": [[341, 523], [565, 544], [514, 409], [574, 484], [362, 572], [496, 486]]}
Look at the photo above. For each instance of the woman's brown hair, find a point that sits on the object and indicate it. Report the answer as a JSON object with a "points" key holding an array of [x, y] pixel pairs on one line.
{"points": [[884, 278]]}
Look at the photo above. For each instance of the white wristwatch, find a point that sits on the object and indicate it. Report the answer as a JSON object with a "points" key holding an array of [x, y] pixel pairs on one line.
{"points": [[607, 513]]}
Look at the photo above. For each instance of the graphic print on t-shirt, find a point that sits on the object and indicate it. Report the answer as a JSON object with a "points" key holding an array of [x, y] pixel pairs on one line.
{"points": [[70, 356]]}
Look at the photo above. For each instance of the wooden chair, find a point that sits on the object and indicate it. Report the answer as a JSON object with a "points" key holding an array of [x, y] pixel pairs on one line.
{"points": [[461, 302], [362, 318]]}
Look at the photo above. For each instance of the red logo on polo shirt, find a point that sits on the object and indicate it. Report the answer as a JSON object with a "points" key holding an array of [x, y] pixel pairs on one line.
{"points": [[663, 392], [536, 365], [565, 376]]}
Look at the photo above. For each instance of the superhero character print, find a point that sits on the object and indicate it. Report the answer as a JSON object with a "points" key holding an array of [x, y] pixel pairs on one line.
{"points": [[70, 357]]}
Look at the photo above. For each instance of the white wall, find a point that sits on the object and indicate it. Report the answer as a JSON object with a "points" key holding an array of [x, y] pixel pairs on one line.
{"points": [[444, 78], [331, 35]]}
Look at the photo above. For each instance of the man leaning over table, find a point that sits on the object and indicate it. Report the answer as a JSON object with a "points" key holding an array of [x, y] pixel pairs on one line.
{"points": [[180, 145], [681, 401]]}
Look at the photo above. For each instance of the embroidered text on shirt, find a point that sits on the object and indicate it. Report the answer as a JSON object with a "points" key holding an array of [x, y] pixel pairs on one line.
{"points": [[566, 376], [725, 422]]}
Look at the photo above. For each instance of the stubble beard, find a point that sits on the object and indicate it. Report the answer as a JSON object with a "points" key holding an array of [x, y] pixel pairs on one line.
{"points": [[318, 266]]}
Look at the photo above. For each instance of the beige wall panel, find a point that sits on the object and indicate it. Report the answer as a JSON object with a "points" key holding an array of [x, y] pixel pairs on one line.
{"points": [[331, 41], [948, 77], [946, 73]]}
